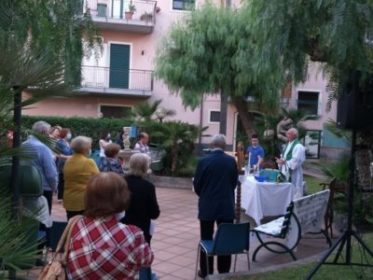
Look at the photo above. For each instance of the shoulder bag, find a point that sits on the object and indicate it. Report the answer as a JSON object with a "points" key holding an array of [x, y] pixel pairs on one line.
{"points": [[55, 269]]}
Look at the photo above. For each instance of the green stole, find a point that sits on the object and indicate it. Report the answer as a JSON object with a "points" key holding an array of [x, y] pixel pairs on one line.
{"points": [[289, 155]]}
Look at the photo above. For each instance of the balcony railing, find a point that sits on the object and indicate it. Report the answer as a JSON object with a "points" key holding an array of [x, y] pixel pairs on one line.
{"points": [[133, 82], [113, 14]]}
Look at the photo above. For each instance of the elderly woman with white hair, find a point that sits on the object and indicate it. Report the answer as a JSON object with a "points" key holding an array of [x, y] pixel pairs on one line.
{"points": [[78, 170], [143, 204]]}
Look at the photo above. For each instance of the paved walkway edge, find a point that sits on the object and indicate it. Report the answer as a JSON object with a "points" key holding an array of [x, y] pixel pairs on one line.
{"points": [[304, 261]]}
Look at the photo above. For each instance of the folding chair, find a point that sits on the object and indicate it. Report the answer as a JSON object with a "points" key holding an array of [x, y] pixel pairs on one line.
{"points": [[230, 239]]}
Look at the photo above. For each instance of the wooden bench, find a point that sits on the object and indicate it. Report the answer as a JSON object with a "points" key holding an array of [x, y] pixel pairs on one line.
{"points": [[303, 215]]}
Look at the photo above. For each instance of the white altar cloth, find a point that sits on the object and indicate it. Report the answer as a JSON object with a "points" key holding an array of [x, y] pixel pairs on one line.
{"points": [[260, 199]]}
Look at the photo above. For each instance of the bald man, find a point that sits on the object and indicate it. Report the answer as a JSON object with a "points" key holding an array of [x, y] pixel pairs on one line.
{"points": [[292, 160], [214, 182]]}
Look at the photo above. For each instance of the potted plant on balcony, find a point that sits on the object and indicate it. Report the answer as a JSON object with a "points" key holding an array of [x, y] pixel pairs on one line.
{"points": [[131, 10], [147, 17]]}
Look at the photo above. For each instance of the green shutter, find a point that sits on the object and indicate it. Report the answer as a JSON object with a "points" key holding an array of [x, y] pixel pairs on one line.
{"points": [[101, 10], [119, 66]]}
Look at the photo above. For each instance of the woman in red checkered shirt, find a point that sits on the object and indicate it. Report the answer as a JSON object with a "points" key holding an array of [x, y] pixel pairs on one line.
{"points": [[101, 247]]}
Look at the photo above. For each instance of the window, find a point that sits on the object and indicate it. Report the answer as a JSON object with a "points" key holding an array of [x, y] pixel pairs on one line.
{"points": [[78, 7], [115, 111], [214, 116], [308, 102], [183, 4], [101, 10]]}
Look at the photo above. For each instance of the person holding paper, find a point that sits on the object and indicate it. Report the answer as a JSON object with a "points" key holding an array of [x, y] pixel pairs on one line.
{"points": [[292, 160]]}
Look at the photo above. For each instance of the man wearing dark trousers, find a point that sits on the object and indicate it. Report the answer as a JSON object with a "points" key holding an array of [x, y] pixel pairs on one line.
{"points": [[214, 182]]}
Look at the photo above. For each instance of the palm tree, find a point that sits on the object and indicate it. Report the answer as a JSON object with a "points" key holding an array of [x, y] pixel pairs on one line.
{"points": [[40, 52], [145, 112]]}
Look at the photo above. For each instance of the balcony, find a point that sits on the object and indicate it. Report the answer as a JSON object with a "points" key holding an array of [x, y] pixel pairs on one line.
{"points": [[106, 81], [113, 15]]}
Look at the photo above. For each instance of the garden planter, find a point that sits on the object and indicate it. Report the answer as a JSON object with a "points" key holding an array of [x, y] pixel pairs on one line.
{"points": [[171, 182]]}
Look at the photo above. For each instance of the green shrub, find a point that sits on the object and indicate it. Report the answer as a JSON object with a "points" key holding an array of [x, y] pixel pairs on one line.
{"points": [[18, 243], [91, 127], [177, 139]]}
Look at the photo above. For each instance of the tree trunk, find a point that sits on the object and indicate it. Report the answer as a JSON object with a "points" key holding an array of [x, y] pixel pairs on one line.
{"points": [[245, 116], [174, 157], [14, 182], [223, 114]]}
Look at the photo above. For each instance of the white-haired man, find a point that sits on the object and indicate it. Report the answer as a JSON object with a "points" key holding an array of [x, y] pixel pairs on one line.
{"points": [[214, 182], [292, 160], [43, 159]]}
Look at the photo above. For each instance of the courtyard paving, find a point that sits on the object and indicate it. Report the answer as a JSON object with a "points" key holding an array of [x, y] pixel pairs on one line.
{"points": [[177, 235]]}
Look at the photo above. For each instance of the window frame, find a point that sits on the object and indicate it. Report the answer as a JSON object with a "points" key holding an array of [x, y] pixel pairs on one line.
{"points": [[100, 113], [305, 102], [209, 116], [184, 3], [106, 9]]}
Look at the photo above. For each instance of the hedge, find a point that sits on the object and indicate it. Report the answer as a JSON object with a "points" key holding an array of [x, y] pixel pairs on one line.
{"points": [[91, 127], [163, 135]]}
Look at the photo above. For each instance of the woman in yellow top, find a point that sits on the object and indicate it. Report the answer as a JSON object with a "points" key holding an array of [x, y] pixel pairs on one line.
{"points": [[78, 170]]}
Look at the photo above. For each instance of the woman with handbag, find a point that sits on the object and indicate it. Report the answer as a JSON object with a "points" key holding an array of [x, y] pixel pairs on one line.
{"points": [[101, 247]]}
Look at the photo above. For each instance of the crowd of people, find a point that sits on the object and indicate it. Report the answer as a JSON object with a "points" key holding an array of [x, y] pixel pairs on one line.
{"points": [[118, 208]]}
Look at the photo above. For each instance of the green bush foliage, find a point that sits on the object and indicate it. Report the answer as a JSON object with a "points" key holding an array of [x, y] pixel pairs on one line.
{"points": [[177, 139], [18, 243], [91, 127]]}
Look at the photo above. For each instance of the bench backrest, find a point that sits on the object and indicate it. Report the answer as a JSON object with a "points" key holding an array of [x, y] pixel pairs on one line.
{"points": [[310, 211], [287, 220]]}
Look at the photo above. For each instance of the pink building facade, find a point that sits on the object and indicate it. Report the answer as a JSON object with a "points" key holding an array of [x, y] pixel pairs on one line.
{"points": [[122, 75]]}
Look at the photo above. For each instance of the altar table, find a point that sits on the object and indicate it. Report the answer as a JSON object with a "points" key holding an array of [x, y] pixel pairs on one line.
{"points": [[261, 199]]}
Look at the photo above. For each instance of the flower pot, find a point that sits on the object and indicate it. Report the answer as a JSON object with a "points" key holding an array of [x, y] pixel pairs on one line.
{"points": [[128, 15], [146, 17]]}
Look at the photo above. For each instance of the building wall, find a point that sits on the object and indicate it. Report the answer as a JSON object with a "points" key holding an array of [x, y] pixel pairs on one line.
{"points": [[316, 81], [83, 106], [143, 52]]}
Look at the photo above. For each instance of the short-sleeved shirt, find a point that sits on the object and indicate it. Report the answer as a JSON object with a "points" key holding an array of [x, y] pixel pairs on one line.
{"points": [[110, 165], [255, 153], [104, 248]]}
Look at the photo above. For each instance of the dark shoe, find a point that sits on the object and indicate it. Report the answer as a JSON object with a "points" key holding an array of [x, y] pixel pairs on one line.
{"points": [[201, 275]]}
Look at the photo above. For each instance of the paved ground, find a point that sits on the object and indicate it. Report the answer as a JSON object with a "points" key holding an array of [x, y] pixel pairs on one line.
{"points": [[177, 235]]}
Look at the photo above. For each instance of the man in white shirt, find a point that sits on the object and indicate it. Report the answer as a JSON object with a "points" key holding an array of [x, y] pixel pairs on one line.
{"points": [[292, 160]]}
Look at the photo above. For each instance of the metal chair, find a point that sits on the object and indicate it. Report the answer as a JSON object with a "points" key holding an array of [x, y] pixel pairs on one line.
{"points": [[335, 187], [279, 228], [230, 239]]}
